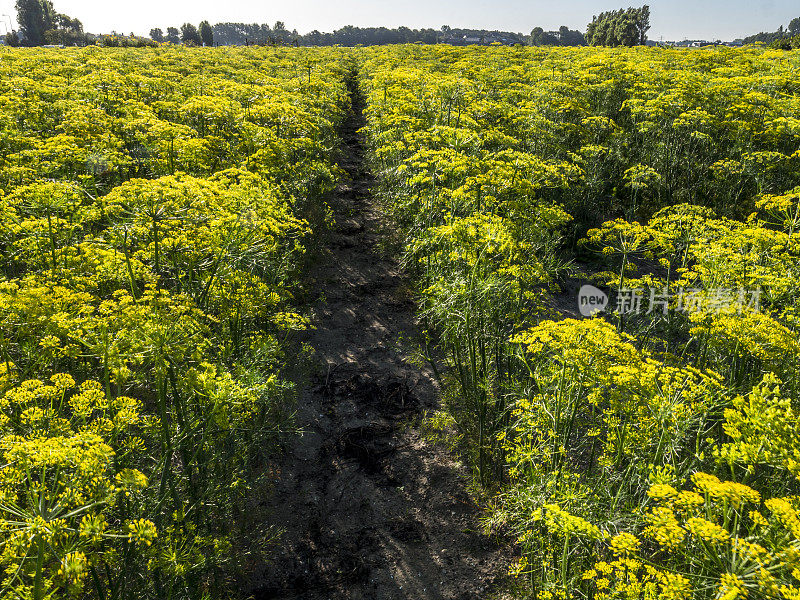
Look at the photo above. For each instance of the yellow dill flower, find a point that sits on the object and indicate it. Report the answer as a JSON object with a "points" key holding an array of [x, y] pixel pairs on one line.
{"points": [[790, 592], [786, 514], [758, 519], [63, 381], [603, 568], [706, 530], [764, 429], [624, 544], [731, 587], [93, 527], [130, 481], [142, 531], [73, 567], [561, 522], [674, 586], [664, 527], [688, 501], [734, 493], [662, 491]]}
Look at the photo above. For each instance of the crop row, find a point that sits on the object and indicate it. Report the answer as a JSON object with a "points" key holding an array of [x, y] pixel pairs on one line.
{"points": [[156, 210], [651, 451]]}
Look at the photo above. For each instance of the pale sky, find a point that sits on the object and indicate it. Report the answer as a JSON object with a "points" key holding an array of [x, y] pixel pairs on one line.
{"points": [[672, 19]]}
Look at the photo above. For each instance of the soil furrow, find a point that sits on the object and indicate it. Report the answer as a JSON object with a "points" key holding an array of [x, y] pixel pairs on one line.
{"points": [[369, 508]]}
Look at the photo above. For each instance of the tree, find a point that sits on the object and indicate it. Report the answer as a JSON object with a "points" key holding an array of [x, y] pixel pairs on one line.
{"points": [[157, 35], [12, 39], [66, 31], [619, 27], [35, 17], [173, 35], [794, 26], [572, 37], [626, 32], [67, 23], [540, 37], [40, 24], [189, 35], [206, 34], [642, 18]]}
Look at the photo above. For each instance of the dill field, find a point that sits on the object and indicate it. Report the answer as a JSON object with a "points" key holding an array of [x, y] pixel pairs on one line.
{"points": [[166, 218]]}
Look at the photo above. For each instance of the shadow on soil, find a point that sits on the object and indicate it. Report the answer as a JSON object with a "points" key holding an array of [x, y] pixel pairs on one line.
{"points": [[368, 507]]}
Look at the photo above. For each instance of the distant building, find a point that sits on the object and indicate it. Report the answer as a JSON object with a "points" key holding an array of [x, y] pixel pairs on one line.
{"points": [[484, 38]]}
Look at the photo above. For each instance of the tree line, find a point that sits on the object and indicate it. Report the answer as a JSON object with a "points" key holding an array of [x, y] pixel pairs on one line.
{"points": [[242, 34], [784, 38], [563, 37], [40, 24], [202, 35], [769, 37]]}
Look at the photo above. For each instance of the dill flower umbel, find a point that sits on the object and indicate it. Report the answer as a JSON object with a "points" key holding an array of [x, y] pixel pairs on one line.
{"points": [[142, 531], [563, 523], [706, 530], [736, 494], [74, 567], [731, 587], [664, 527], [624, 544]]}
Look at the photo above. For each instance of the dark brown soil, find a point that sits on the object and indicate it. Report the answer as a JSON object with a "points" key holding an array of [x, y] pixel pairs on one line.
{"points": [[368, 507]]}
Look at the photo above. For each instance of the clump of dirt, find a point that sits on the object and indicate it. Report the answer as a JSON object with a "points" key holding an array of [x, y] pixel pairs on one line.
{"points": [[369, 508]]}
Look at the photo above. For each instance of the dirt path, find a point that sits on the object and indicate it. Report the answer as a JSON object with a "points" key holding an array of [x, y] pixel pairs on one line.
{"points": [[369, 509]]}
